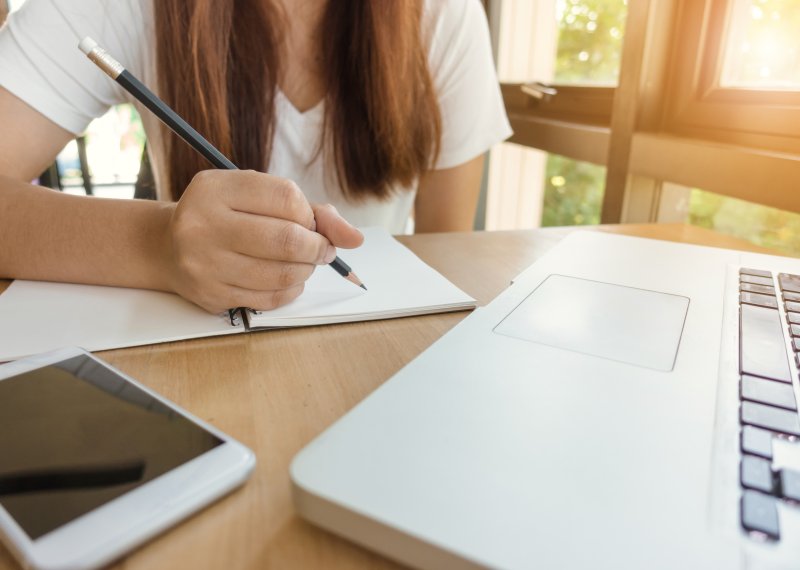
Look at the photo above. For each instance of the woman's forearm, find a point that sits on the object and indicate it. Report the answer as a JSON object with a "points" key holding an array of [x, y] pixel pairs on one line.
{"points": [[51, 236], [235, 239]]}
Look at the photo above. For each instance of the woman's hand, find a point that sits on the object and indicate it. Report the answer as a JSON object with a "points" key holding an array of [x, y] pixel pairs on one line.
{"points": [[247, 239]]}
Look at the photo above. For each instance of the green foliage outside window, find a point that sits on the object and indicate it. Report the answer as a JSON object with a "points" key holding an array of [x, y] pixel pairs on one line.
{"points": [[573, 194], [761, 225], [590, 36], [589, 51]]}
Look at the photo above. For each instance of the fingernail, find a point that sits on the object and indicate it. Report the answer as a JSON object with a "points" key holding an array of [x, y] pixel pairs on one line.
{"points": [[330, 255]]}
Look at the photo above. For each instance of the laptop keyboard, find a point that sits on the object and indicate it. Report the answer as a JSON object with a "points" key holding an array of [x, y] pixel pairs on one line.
{"points": [[768, 404]]}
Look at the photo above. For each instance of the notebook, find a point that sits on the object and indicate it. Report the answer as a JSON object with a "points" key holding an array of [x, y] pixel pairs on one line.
{"points": [[40, 316]]}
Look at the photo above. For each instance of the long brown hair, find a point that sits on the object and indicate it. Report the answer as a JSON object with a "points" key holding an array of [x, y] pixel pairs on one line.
{"points": [[219, 63]]}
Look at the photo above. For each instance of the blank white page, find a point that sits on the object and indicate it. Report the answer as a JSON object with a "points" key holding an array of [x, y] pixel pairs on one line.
{"points": [[37, 316], [398, 284]]}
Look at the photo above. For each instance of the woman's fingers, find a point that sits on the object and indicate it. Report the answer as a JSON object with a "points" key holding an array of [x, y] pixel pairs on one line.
{"points": [[272, 238], [257, 193], [335, 228], [256, 274], [241, 238]]}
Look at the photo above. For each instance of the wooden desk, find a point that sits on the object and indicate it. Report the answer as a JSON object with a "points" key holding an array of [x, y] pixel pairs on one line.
{"points": [[275, 391]]}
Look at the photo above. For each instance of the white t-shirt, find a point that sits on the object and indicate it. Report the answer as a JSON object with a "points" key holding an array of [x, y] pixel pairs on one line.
{"points": [[41, 64]]}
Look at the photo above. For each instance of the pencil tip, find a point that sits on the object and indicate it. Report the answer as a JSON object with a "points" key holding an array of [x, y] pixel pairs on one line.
{"points": [[353, 278]]}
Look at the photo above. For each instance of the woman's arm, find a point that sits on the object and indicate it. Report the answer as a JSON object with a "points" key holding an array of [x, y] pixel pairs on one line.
{"points": [[236, 238], [447, 199], [49, 235]]}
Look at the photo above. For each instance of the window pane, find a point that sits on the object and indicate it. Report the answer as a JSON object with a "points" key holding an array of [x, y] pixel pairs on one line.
{"points": [[515, 187], [114, 145], [758, 224], [590, 36], [763, 46], [573, 192]]}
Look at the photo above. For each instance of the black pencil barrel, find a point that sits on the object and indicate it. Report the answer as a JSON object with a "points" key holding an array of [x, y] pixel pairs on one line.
{"points": [[341, 267], [173, 121]]}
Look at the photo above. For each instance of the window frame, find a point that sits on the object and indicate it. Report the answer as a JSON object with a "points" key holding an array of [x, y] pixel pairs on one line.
{"points": [[699, 106], [738, 142]]}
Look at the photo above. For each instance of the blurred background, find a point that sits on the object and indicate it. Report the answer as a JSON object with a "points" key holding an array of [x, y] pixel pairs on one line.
{"points": [[703, 77], [751, 50]]}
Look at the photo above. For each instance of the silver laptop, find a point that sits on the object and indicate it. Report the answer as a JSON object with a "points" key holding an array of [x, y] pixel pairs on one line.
{"points": [[626, 403]]}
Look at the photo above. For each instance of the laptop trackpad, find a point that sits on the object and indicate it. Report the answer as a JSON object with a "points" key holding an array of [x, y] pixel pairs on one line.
{"points": [[610, 321]]}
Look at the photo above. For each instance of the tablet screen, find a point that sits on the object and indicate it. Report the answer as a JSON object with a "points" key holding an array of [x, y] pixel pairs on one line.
{"points": [[75, 435]]}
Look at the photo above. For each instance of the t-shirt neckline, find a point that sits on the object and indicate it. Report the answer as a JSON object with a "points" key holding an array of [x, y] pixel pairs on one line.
{"points": [[311, 112]]}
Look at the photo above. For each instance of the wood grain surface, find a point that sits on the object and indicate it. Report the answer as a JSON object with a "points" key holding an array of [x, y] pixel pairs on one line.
{"points": [[276, 390]]}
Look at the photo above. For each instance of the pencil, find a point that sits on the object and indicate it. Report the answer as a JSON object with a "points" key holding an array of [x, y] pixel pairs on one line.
{"points": [[136, 88]]}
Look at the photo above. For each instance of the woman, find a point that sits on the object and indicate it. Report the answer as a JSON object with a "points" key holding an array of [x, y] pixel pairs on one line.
{"points": [[379, 109]]}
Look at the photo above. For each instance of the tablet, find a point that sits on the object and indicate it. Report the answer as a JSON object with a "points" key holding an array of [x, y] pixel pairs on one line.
{"points": [[93, 463]]}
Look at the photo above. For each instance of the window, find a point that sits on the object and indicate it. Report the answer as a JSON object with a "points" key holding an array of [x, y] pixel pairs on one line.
{"points": [[574, 46], [573, 193], [761, 50], [761, 225], [669, 96], [590, 36], [730, 79], [112, 144]]}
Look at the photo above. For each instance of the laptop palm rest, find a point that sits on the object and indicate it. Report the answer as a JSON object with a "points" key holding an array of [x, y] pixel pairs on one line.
{"points": [[620, 323]]}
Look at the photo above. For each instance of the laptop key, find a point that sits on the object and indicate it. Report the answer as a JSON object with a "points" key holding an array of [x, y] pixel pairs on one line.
{"points": [[796, 344], [756, 272], [759, 299], [756, 473], [761, 346], [790, 484], [756, 280], [793, 306], [769, 417], [763, 289], [757, 441], [791, 296], [760, 513], [768, 392], [794, 330], [789, 282], [793, 318]]}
